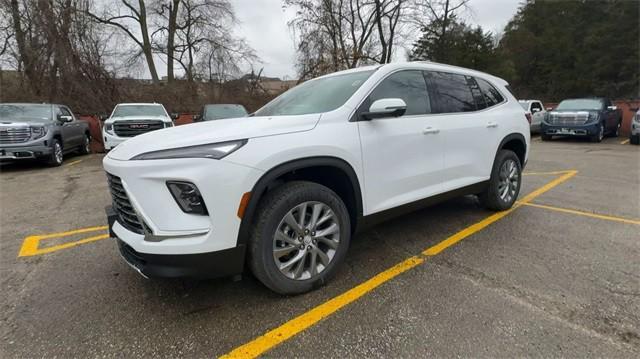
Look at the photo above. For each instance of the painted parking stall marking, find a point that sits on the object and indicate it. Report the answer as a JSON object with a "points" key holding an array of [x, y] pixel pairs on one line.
{"points": [[275, 337], [31, 244]]}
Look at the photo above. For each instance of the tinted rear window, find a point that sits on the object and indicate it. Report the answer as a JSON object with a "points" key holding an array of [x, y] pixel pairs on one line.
{"points": [[452, 92], [491, 95]]}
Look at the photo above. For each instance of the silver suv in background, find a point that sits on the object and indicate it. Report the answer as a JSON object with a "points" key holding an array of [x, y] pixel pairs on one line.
{"points": [[131, 119], [536, 111], [634, 138], [41, 131]]}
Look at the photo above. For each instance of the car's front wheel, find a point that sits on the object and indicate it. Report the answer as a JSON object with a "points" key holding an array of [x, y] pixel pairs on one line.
{"points": [[599, 136], [56, 157], [634, 139], [504, 185], [300, 237]]}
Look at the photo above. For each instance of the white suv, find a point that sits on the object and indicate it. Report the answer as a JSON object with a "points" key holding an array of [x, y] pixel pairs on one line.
{"points": [[287, 188], [131, 119]]}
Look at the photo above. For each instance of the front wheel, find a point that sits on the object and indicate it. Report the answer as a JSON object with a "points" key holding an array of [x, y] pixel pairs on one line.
{"points": [[504, 184], [600, 135], [634, 139], [300, 237], [56, 157]]}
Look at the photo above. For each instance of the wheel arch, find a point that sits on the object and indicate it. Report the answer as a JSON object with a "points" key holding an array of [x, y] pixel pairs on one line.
{"points": [[304, 168], [515, 142]]}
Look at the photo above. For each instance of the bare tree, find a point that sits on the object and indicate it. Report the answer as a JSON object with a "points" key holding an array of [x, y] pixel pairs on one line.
{"points": [[127, 16]]}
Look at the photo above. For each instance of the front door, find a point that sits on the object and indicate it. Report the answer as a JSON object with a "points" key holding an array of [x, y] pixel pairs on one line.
{"points": [[402, 156]]}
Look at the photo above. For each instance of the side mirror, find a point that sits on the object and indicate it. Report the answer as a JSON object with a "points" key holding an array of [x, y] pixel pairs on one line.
{"points": [[174, 116], [612, 108], [65, 118], [385, 107]]}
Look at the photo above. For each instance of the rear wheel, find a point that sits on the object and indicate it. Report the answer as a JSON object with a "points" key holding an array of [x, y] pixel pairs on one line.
{"points": [[56, 157], [504, 184], [616, 133], [635, 139], [300, 237], [85, 148]]}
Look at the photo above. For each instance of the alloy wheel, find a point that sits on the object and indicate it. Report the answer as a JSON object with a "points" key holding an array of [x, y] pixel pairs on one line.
{"points": [[57, 150], [508, 180], [87, 144], [306, 240], [601, 133]]}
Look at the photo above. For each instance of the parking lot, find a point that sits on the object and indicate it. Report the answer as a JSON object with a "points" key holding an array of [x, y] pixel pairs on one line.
{"points": [[559, 275]]}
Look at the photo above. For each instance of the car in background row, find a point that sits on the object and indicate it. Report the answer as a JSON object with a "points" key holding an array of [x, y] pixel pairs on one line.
{"points": [[634, 137], [41, 131], [220, 111], [131, 119], [586, 117], [286, 188], [537, 112]]}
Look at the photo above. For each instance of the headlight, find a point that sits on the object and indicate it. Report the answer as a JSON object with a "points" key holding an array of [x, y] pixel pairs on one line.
{"points": [[108, 128], [593, 117], [38, 132], [214, 151]]}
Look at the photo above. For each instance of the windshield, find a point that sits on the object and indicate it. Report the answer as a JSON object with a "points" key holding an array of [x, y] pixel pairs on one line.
{"points": [[580, 104], [138, 110], [25, 112], [217, 112], [316, 96], [525, 105]]}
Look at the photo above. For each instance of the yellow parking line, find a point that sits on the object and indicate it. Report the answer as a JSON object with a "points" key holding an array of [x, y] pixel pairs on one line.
{"points": [[31, 243], [586, 214], [624, 142], [274, 337], [73, 163], [544, 173]]}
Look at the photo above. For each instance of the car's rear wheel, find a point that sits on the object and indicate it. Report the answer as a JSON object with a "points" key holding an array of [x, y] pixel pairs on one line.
{"points": [[616, 133], [300, 237], [85, 148], [635, 139], [504, 184], [56, 157]]}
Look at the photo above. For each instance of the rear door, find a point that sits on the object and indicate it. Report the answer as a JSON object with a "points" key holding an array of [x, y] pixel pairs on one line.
{"points": [[75, 128], [402, 156], [470, 128]]}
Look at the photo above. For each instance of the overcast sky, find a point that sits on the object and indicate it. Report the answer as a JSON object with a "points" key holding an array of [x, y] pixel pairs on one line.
{"points": [[263, 23]]}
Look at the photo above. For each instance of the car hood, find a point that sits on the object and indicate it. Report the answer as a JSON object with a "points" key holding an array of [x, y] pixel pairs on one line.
{"points": [[137, 118], [201, 133], [8, 123]]}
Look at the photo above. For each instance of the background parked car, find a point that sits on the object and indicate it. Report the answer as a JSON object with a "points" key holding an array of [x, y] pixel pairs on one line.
{"points": [[592, 117], [634, 137], [131, 119], [537, 111], [220, 111], [41, 131]]}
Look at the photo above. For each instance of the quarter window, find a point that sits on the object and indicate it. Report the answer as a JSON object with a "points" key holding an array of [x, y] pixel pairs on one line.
{"points": [[477, 93], [452, 91], [491, 95], [408, 85]]}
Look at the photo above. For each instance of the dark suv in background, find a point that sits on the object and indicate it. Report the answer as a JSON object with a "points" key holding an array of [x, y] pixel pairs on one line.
{"points": [[586, 117], [41, 131]]}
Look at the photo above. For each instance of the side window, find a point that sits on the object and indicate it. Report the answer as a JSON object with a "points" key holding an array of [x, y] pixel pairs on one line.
{"points": [[491, 95], [65, 112], [408, 85], [477, 93], [452, 92]]}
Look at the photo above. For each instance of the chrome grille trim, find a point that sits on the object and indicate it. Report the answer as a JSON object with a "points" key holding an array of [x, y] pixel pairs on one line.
{"points": [[134, 128], [568, 119], [14, 134]]}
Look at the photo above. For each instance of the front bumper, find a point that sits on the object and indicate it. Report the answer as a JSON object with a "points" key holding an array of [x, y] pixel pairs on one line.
{"points": [[10, 152], [590, 129]]}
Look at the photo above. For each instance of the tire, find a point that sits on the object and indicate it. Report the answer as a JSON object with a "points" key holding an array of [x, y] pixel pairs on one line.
{"points": [[56, 157], [616, 133], [545, 137], [600, 135], [271, 231], [493, 197], [634, 140], [85, 147]]}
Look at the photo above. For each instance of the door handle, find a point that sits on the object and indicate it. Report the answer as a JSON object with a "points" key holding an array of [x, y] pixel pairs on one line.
{"points": [[430, 130], [492, 124]]}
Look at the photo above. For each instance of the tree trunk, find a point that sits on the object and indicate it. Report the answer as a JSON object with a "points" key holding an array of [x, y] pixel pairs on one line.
{"points": [[146, 42], [173, 18]]}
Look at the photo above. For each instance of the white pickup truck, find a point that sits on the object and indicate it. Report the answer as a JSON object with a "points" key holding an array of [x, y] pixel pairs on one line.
{"points": [[131, 119]]}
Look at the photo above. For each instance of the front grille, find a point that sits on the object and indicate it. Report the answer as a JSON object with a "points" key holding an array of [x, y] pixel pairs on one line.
{"points": [[560, 119], [126, 214], [134, 128], [14, 135]]}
